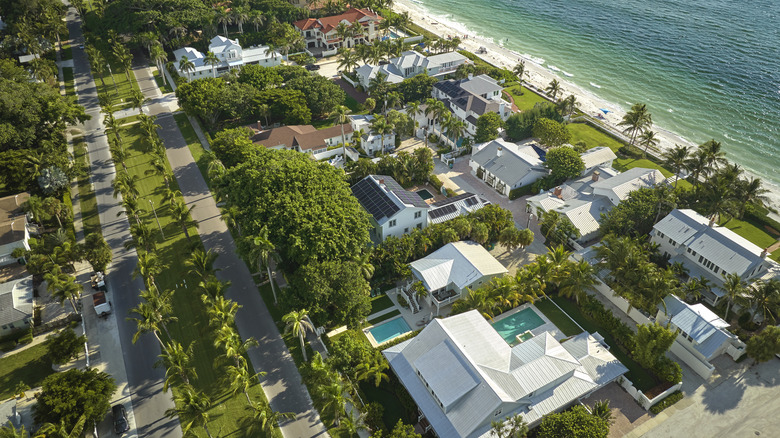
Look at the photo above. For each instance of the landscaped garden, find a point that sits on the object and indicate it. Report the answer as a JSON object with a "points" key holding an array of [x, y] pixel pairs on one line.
{"points": [[524, 98]]}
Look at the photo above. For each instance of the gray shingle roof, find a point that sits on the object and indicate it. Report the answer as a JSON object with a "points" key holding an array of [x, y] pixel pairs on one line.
{"points": [[16, 300], [511, 166]]}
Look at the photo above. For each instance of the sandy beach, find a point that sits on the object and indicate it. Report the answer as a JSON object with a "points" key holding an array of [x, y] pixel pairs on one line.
{"points": [[538, 75]]}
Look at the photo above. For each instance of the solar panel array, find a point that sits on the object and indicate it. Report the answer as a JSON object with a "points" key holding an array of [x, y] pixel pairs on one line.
{"points": [[410, 198], [452, 200], [443, 211], [373, 199]]}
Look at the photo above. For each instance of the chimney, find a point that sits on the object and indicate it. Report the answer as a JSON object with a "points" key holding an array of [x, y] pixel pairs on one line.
{"points": [[712, 221], [259, 125], [764, 253], [595, 176], [381, 181], [500, 151], [557, 192]]}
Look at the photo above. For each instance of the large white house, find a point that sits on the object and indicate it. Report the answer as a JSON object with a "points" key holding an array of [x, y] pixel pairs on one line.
{"points": [[710, 251], [394, 210], [321, 32], [703, 335], [447, 272], [370, 141], [230, 55], [470, 98], [463, 375], [14, 232], [16, 304], [505, 166], [584, 200], [410, 64]]}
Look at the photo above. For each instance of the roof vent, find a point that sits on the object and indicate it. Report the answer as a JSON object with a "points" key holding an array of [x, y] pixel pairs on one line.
{"points": [[500, 151], [595, 176], [764, 253], [557, 192]]}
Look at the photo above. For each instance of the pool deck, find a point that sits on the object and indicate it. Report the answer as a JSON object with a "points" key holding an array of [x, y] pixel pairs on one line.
{"points": [[548, 326], [371, 338]]}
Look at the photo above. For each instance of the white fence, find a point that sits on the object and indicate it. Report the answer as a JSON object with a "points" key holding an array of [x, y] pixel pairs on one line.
{"points": [[640, 397], [622, 304], [700, 367], [349, 81]]}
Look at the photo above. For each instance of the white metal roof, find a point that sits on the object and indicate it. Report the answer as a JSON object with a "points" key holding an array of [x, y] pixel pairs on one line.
{"points": [[512, 166], [447, 374], [624, 183], [706, 328], [597, 156], [459, 263]]}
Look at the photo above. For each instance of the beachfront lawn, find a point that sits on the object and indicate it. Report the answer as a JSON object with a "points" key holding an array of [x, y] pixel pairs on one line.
{"points": [[554, 314], [526, 100], [229, 413], [592, 137], [640, 377], [623, 164], [30, 366], [750, 232], [90, 218]]}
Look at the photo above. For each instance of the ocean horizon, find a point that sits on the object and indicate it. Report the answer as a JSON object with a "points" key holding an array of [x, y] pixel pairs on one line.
{"points": [[707, 69]]}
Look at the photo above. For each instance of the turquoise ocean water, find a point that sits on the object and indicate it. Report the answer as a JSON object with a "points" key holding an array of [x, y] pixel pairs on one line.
{"points": [[705, 68]]}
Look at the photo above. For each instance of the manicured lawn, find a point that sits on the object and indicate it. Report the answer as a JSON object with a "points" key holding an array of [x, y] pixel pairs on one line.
{"points": [[87, 201], [526, 100], [67, 52], [592, 136], [67, 77], [623, 164], [352, 104], [750, 232], [384, 317], [641, 379], [554, 314], [380, 303], [29, 366], [229, 414], [165, 87], [118, 88]]}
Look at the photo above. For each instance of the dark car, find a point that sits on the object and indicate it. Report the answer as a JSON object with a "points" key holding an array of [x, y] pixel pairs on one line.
{"points": [[120, 419], [312, 67]]}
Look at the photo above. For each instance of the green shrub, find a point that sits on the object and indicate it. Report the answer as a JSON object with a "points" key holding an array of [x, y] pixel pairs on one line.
{"points": [[26, 339], [7, 346], [402, 301], [374, 412], [665, 403], [745, 322], [522, 191], [435, 182], [451, 193], [400, 339]]}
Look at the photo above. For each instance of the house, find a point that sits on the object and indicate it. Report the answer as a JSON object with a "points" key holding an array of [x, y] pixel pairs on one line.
{"points": [[14, 230], [321, 32], [470, 98], [702, 335], [394, 211], [370, 141], [463, 375], [230, 55], [456, 206], [584, 200], [709, 250], [16, 304], [302, 138], [506, 166], [597, 157], [410, 64], [447, 272]]}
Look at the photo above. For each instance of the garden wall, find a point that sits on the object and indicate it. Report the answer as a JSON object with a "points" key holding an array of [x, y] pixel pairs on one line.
{"points": [[622, 304], [700, 367], [640, 397]]}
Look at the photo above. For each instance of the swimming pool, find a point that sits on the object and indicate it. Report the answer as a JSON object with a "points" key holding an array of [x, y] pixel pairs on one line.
{"points": [[517, 324], [389, 330], [425, 194]]}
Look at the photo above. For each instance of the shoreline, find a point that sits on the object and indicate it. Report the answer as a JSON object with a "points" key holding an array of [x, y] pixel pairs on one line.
{"points": [[539, 76]]}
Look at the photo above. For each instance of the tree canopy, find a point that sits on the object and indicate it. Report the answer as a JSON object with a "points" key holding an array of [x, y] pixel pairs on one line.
{"points": [[574, 423], [636, 215], [550, 132], [564, 162], [322, 95], [519, 126], [335, 292], [66, 396], [765, 345], [488, 125]]}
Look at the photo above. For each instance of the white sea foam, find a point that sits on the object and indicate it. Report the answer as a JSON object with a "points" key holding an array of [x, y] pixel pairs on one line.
{"points": [[595, 85], [565, 73], [553, 68]]}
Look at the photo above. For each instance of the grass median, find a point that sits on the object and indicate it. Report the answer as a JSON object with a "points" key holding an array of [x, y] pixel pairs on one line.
{"points": [[87, 201]]}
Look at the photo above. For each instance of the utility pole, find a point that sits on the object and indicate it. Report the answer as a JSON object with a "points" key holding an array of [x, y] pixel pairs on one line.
{"points": [[156, 218]]}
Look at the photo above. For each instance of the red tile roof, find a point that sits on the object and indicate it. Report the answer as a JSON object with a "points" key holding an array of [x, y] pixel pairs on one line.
{"points": [[306, 137], [326, 24]]}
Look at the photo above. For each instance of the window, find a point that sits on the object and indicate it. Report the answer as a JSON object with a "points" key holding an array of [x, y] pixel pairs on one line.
{"points": [[671, 242], [419, 226], [391, 223], [701, 259], [417, 214], [5, 327], [406, 230], [717, 269]]}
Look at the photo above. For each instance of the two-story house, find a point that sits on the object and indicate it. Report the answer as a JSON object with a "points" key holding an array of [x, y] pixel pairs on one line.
{"points": [[410, 64], [394, 210], [321, 32], [470, 98], [709, 250], [14, 231], [505, 166], [370, 141], [230, 55]]}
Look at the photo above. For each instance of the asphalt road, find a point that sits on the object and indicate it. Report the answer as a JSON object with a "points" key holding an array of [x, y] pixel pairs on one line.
{"points": [[144, 381]]}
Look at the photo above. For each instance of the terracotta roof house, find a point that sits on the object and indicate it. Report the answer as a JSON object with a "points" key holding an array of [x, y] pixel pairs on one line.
{"points": [[13, 226], [321, 32], [301, 138]]}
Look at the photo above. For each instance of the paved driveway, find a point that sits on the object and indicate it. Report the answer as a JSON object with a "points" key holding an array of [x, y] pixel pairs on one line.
{"points": [[625, 410]]}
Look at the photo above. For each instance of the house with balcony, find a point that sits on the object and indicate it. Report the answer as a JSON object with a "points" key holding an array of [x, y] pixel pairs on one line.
{"points": [[302, 138], [596, 158], [469, 98], [505, 166], [230, 55], [16, 305], [463, 375], [14, 228], [370, 141], [393, 210], [409, 65], [449, 271], [710, 251], [320, 33]]}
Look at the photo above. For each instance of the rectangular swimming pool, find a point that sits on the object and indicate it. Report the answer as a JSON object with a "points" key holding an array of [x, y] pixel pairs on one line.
{"points": [[389, 330], [425, 194], [517, 324]]}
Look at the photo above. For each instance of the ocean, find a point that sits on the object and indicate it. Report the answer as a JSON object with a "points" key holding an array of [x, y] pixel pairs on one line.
{"points": [[705, 68]]}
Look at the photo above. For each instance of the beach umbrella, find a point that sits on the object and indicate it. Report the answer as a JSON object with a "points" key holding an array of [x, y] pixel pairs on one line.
{"points": [[605, 111]]}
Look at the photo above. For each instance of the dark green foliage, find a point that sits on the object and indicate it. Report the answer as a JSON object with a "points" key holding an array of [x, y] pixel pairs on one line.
{"points": [[64, 346], [765, 345], [622, 333], [488, 125], [557, 229], [260, 77], [97, 252], [574, 423], [416, 88], [408, 169], [286, 106], [334, 292], [519, 126], [232, 146], [550, 132], [350, 350], [400, 430], [650, 345], [564, 162], [135, 16], [636, 215], [665, 403], [322, 95], [69, 395]]}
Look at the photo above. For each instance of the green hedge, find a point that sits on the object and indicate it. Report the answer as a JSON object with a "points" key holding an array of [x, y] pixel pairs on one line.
{"points": [[435, 182], [665, 403], [400, 339]]}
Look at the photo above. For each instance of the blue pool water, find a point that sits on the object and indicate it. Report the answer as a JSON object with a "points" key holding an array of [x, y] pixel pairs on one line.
{"points": [[516, 324], [425, 194], [389, 330]]}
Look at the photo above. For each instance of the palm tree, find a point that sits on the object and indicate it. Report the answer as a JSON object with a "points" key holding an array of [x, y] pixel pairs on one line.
{"points": [[569, 105], [677, 159], [648, 139], [177, 361], [340, 116], [454, 130], [127, 185], [265, 420], [554, 89], [263, 110], [735, 288], [52, 430], [602, 410], [212, 60], [750, 191], [222, 311], [392, 100], [636, 120], [113, 125], [239, 17], [201, 263], [148, 267], [240, 380], [137, 99], [348, 60], [335, 402], [235, 349], [186, 66], [435, 109], [97, 61], [224, 18], [146, 322], [765, 299], [214, 288], [298, 323], [353, 422], [159, 57], [381, 127], [63, 287], [192, 409], [372, 371], [256, 18], [260, 249], [181, 214], [520, 71], [581, 277]]}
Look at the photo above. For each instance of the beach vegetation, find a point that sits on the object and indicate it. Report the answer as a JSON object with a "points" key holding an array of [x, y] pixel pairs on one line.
{"points": [[519, 126], [636, 121], [563, 161], [554, 89], [488, 125]]}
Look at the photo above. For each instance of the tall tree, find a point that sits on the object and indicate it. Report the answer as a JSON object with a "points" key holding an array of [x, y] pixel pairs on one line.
{"points": [[297, 322], [636, 120], [192, 408]]}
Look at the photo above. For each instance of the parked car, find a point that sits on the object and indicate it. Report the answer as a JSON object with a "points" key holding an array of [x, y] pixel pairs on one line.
{"points": [[312, 67], [120, 419]]}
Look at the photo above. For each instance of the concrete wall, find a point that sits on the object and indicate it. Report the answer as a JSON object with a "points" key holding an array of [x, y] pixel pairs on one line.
{"points": [[640, 397], [702, 368], [622, 304]]}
